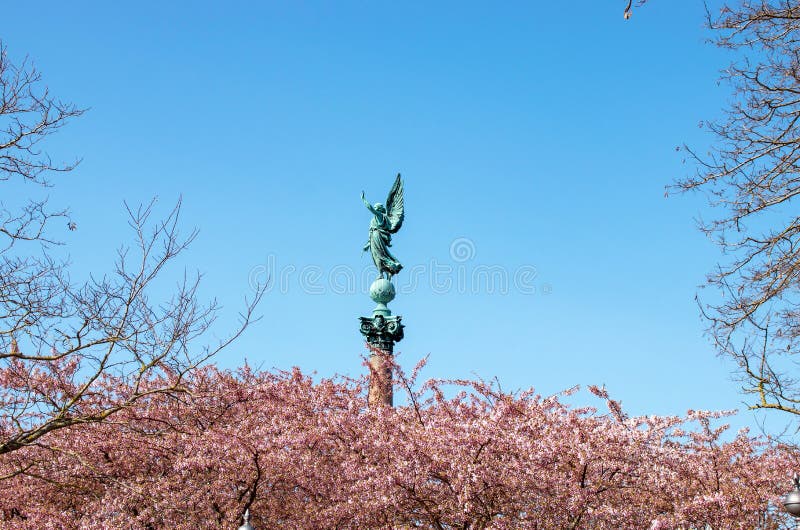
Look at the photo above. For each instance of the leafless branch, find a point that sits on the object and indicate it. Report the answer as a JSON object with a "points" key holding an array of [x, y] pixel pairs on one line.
{"points": [[752, 180], [76, 353]]}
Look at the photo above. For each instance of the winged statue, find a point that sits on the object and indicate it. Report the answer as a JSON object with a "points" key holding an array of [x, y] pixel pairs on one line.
{"points": [[387, 220]]}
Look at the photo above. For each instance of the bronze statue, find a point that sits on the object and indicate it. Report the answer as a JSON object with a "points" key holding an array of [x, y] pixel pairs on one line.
{"points": [[386, 221], [382, 330]]}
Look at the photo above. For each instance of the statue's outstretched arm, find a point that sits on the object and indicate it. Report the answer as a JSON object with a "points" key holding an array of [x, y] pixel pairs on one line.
{"points": [[368, 205]]}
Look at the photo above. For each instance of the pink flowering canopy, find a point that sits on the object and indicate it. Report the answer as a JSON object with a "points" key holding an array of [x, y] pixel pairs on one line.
{"points": [[461, 454]]}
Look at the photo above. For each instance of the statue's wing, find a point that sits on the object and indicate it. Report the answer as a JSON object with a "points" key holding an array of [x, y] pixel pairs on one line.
{"points": [[394, 206]]}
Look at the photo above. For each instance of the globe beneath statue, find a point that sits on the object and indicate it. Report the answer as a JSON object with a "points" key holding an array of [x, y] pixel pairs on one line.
{"points": [[382, 292]]}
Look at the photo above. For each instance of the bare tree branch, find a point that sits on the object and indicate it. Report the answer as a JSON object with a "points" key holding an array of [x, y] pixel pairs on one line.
{"points": [[88, 351], [73, 354], [752, 179]]}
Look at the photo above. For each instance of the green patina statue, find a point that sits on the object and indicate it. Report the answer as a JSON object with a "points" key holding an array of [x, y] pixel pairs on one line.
{"points": [[382, 330], [387, 220]]}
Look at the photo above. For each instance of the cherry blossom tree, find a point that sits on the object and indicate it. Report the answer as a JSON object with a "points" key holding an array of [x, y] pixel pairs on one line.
{"points": [[459, 455]]}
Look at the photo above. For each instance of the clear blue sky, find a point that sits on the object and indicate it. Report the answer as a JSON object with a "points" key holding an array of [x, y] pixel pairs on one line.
{"points": [[542, 133]]}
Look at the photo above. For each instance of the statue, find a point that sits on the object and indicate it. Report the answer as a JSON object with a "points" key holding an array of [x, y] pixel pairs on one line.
{"points": [[382, 330], [387, 220]]}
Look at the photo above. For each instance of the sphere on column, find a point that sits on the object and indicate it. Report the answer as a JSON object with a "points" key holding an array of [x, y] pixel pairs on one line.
{"points": [[382, 291]]}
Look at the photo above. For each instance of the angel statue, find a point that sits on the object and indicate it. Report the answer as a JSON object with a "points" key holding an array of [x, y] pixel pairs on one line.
{"points": [[386, 221]]}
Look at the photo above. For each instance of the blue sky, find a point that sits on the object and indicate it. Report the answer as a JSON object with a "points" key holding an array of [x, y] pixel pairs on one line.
{"points": [[537, 136]]}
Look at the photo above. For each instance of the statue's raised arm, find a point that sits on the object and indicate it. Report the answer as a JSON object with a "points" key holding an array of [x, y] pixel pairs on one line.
{"points": [[368, 204]]}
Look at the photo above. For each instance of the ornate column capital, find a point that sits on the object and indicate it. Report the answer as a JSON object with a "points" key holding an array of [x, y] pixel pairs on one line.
{"points": [[382, 331]]}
